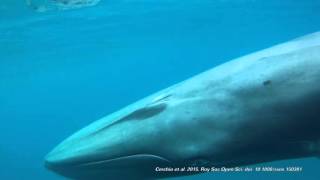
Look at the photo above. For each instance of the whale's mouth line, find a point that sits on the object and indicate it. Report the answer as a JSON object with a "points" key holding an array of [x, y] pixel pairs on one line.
{"points": [[124, 161], [118, 160]]}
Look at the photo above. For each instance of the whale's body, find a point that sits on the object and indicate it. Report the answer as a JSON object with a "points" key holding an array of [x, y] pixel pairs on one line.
{"points": [[258, 108]]}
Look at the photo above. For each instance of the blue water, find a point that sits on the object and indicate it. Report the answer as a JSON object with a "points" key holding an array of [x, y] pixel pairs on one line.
{"points": [[61, 70]]}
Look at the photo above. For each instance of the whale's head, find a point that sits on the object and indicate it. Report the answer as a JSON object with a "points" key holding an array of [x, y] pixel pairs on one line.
{"points": [[263, 107], [134, 143]]}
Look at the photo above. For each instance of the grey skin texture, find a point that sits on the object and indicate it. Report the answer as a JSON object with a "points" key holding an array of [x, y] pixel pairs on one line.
{"points": [[258, 108]]}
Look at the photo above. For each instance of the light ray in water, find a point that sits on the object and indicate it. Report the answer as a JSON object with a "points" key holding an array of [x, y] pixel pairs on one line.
{"points": [[46, 5]]}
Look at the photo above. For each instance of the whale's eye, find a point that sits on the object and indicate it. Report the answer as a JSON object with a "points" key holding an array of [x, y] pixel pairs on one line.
{"points": [[145, 112], [267, 82], [155, 107]]}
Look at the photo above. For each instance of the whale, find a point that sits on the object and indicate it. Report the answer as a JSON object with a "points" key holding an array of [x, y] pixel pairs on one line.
{"points": [[258, 108]]}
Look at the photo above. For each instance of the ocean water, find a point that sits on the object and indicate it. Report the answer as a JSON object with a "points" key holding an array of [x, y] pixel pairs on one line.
{"points": [[61, 70]]}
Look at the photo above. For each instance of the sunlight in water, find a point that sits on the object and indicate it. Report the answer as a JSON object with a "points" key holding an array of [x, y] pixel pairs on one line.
{"points": [[46, 5]]}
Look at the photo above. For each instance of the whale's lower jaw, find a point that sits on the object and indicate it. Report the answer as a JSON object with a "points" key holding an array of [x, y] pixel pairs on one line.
{"points": [[151, 166], [135, 167]]}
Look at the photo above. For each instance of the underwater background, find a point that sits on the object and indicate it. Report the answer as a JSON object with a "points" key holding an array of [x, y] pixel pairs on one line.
{"points": [[62, 69]]}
